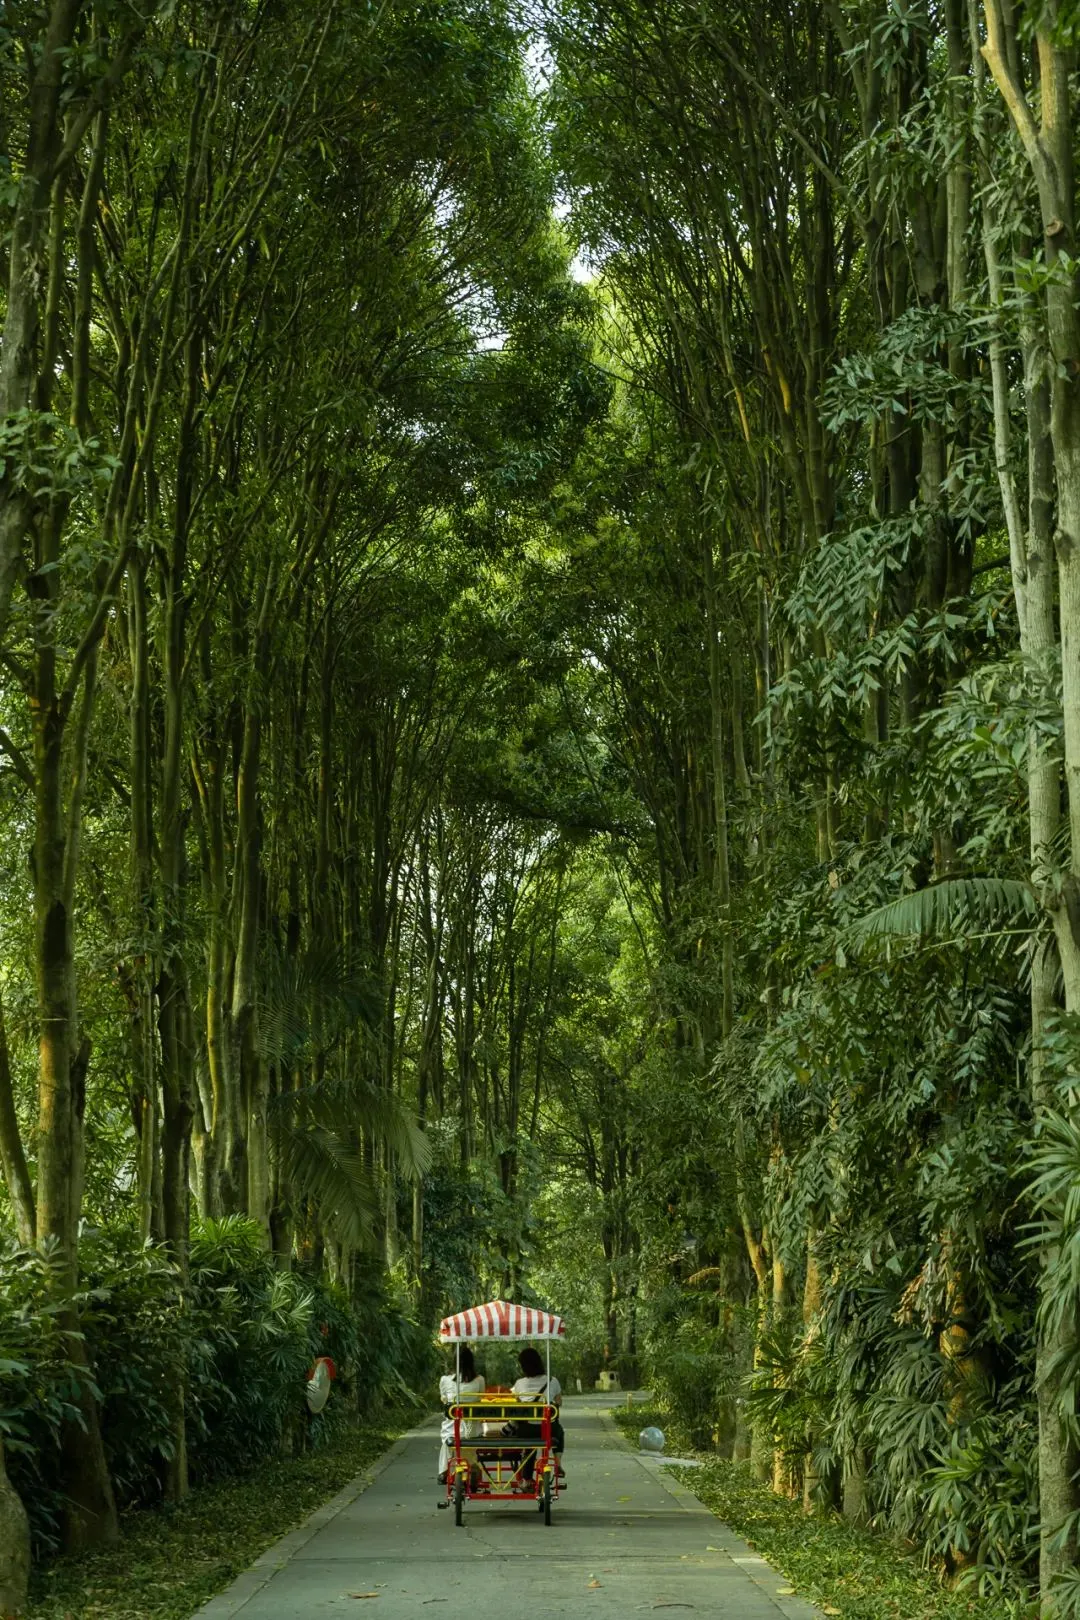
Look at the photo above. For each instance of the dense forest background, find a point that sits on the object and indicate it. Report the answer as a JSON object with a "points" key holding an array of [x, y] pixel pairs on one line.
{"points": [[540, 733]]}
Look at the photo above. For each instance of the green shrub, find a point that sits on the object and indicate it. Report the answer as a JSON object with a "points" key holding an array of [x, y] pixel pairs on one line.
{"points": [[255, 1336], [38, 1385], [697, 1356], [856, 1574], [396, 1355], [138, 1335], [239, 1340]]}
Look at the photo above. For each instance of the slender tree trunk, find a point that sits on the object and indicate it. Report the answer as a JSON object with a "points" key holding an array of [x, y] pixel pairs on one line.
{"points": [[250, 1070], [225, 1126], [782, 1478], [813, 1296], [14, 1547], [174, 1008], [1048, 146], [90, 1512], [12, 1155], [145, 1079]]}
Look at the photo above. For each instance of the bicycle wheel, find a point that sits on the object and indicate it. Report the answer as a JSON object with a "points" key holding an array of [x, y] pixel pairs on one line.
{"points": [[459, 1501]]}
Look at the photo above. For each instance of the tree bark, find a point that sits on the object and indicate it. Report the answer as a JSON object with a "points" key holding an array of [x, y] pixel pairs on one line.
{"points": [[145, 1078], [90, 1512], [248, 1070], [1048, 147], [12, 1155], [14, 1547]]}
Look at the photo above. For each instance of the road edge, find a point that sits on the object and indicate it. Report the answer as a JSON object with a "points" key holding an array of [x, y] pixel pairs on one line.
{"points": [[259, 1574], [760, 1571]]}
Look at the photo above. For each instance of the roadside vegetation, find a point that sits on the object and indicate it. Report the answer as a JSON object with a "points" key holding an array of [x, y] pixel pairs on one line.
{"points": [[168, 1563], [853, 1572]]}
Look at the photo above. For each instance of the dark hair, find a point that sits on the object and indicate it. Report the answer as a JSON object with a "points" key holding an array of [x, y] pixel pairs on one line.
{"points": [[530, 1363], [468, 1365]]}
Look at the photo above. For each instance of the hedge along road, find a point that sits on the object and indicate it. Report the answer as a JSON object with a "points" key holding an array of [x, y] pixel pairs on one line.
{"points": [[624, 1539]]}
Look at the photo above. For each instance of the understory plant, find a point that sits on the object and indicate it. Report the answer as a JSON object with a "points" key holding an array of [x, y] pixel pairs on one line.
{"points": [[240, 1336]]}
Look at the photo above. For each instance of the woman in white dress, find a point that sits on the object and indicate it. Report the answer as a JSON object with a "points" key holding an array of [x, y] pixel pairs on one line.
{"points": [[535, 1385], [451, 1391]]}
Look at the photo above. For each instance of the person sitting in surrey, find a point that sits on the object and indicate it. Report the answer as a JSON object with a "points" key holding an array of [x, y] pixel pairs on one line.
{"points": [[452, 1390], [535, 1385]]}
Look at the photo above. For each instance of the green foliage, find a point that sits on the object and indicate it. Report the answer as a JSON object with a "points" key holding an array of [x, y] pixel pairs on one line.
{"points": [[38, 1392], [462, 1231], [984, 1499], [632, 1419], [556, 794], [696, 1357], [860, 1573], [240, 1339], [45, 456], [955, 907], [849, 1572]]}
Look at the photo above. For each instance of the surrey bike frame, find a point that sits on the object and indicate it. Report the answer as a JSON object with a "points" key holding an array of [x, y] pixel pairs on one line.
{"points": [[494, 1468]]}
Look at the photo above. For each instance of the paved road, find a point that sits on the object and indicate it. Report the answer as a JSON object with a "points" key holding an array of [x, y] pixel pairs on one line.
{"points": [[625, 1539]]}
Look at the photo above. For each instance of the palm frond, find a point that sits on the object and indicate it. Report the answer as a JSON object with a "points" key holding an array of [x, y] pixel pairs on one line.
{"points": [[354, 1106], [955, 906], [308, 1001], [319, 1166]]}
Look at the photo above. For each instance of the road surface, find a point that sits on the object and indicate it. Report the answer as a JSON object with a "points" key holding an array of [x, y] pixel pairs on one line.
{"points": [[625, 1539]]}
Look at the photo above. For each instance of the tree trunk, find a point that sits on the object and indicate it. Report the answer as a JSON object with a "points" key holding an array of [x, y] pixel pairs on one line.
{"points": [[249, 1072], [12, 1156], [1048, 147], [783, 1482], [145, 1078], [174, 1008], [90, 1512], [14, 1548], [226, 1170], [856, 1507], [813, 1293]]}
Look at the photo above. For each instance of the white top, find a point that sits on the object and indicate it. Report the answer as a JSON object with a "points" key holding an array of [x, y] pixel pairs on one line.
{"points": [[450, 1390], [531, 1389]]}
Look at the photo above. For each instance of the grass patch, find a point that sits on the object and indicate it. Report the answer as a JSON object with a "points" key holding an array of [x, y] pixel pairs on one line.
{"points": [[855, 1574], [170, 1561]]}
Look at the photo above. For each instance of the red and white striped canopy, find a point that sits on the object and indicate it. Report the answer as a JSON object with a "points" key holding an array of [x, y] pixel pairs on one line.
{"points": [[498, 1320]]}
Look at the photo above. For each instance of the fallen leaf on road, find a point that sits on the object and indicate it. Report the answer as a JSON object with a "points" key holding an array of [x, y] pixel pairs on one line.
{"points": [[364, 1594], [593, 1583], [829, 1610], [624, 1499], [785, 1591]]}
